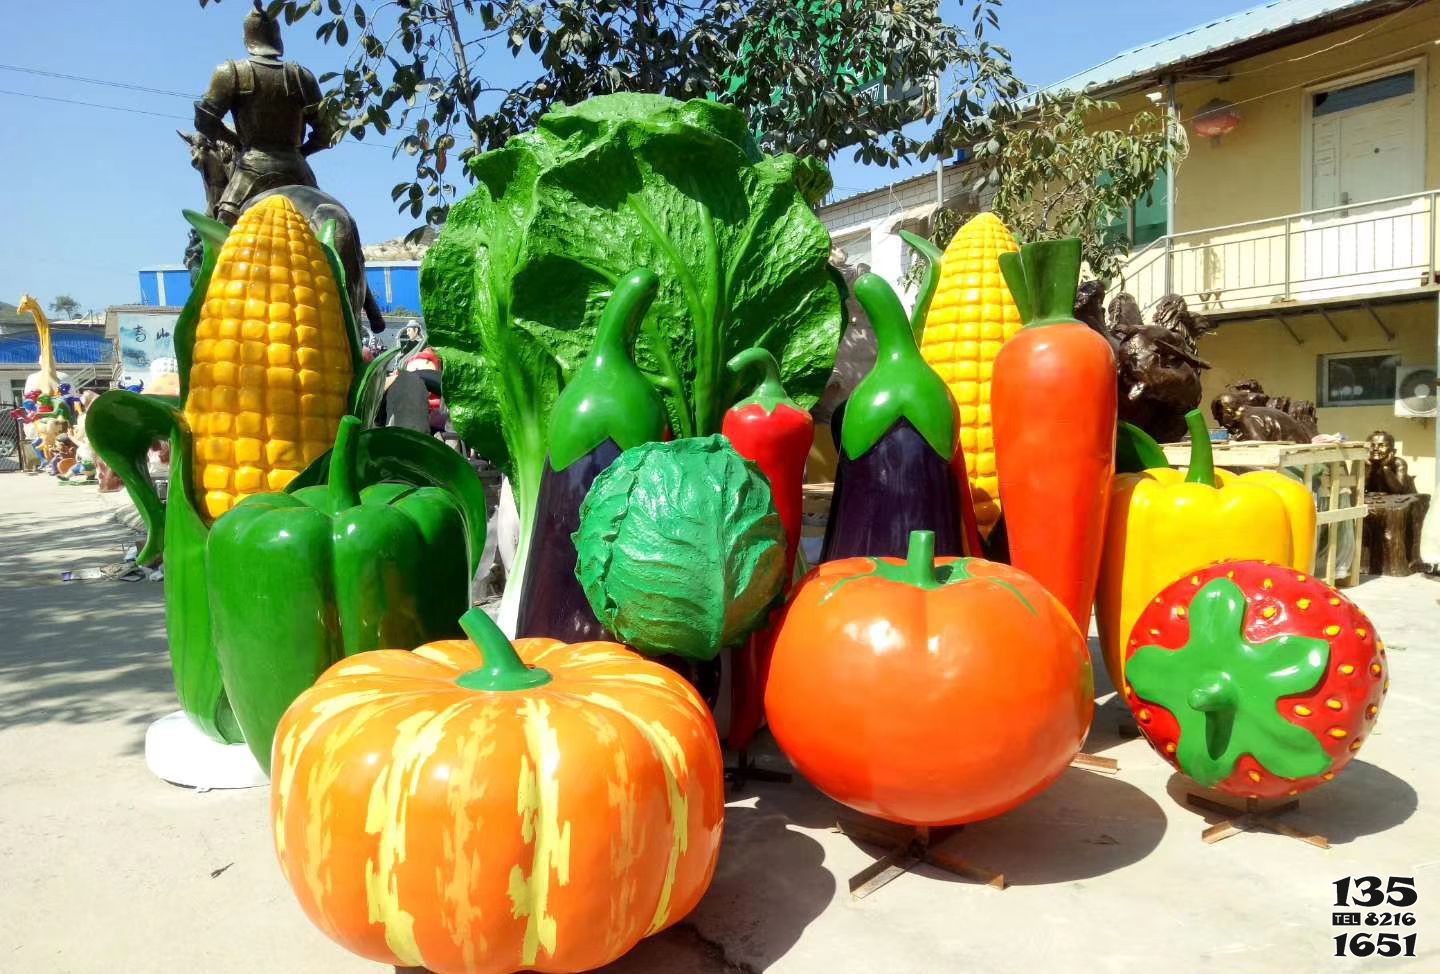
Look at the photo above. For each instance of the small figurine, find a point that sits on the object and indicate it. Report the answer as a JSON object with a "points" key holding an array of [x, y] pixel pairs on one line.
{"points": [[1385, 471]]}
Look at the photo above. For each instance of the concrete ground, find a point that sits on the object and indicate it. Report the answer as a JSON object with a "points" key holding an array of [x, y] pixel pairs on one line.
{"points": [[105, 868]]}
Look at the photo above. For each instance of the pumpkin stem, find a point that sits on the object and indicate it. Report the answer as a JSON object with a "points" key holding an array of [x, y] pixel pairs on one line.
{"points": [[920, 560], [503, 669]]}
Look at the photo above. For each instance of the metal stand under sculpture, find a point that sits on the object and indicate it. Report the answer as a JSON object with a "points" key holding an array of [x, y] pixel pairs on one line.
{"points": [[1251, 817], [909, 847]]}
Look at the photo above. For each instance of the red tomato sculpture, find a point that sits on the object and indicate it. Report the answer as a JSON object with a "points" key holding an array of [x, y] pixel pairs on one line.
{"points": [[1255, 679], [928, 693]]}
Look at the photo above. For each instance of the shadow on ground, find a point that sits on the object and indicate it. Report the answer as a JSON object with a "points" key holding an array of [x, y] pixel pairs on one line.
{"points": [[112, 664], [1362, 800], [1083, 826]]}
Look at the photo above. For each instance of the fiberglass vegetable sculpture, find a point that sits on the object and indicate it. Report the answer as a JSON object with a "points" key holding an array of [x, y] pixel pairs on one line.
{"points": [[680, 548], [973, 314], [268, 356], [1255, 679], [928, 692], [897, 442], [1053, 397], [514, 285], [299, 580], [770, 429], [608, 406], [1166, 523], [481, 808]]}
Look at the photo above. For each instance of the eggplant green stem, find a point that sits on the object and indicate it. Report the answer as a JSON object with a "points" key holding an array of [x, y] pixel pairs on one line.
{"points": [[1202, 454], [344, 482], [503, 669], [928, 283]]}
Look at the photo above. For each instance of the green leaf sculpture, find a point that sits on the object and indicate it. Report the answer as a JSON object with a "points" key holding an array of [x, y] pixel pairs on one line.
{"points": [[513, 288]]}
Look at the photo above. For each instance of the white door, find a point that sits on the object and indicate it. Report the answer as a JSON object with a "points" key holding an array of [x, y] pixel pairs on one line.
{"points": [[1366, 143]]}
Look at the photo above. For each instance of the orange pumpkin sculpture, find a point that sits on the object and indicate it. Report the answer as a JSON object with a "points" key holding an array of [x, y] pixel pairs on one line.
{"points": [[928, 693], [455, 809]]}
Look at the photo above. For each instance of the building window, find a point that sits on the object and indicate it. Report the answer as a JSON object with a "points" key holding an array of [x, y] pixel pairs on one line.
{"points": [[1358, 380], [17, 391], [1365, 93], [1143, 222]]}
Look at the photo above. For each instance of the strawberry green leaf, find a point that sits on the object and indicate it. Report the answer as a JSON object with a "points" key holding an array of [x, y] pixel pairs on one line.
{"points": [[1224, 691]]}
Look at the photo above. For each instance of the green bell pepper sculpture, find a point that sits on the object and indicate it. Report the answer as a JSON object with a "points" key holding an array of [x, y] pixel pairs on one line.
{"points": [[301, 579]]}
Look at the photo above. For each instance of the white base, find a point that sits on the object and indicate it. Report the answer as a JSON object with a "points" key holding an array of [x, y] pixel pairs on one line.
{"points": [[178, 752]]}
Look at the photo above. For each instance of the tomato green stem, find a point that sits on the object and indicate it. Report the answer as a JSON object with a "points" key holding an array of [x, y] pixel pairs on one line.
{"points": [[503, 669], [344, 489], [1202, 454], [920, 560]]}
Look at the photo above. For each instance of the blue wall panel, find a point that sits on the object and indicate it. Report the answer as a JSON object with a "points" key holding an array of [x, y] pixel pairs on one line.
{"points": [[405, 287], [177, 288], [150, 287], [375, 277]]}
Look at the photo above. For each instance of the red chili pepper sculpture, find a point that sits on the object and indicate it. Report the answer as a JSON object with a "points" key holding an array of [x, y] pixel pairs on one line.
{"points": [[768, 428]]}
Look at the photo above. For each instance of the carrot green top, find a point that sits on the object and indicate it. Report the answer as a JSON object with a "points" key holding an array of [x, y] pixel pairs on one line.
{"points": [[1043, 277]]}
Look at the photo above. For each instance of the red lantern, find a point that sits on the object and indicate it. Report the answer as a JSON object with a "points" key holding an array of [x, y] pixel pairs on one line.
{"points": [[1216, 118]]}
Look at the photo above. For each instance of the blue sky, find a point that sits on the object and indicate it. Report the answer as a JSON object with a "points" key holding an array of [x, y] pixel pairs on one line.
{"points": [[90, 195]]}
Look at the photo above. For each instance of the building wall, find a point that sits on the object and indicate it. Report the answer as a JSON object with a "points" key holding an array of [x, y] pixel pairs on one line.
{"points": [[1264, 350], [867, 226], [1255, 172]]}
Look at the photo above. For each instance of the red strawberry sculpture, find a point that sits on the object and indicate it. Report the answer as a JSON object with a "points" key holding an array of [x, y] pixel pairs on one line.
{"points": [[1254, 679]]}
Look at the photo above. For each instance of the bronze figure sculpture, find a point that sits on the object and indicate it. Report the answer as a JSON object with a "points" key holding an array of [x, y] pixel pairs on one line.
{"points": [[1158, 363], [1385, 471], [1248, 413], [273, 103]]}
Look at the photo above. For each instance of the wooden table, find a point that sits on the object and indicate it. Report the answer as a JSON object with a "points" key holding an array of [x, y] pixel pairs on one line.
{"points": [[1341, 466]]}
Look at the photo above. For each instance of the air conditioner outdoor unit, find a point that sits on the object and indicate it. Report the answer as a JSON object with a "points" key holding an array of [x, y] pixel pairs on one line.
{"points": [[1415, 391]]}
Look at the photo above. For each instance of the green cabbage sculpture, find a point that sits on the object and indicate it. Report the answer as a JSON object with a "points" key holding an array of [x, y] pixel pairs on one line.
{"points": [[680, 548]]}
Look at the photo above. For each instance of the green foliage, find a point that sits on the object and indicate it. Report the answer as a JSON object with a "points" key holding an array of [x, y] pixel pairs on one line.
{"points": [[1057, 169], [804, 72], [514, 286], [680, 549], [65, 306]]}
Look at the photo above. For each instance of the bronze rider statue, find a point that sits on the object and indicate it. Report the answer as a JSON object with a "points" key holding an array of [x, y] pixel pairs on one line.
{"points": [[273, 102]]}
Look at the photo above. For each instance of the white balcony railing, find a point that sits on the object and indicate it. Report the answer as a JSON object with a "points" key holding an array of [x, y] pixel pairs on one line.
{"points": [[1360, 248]]}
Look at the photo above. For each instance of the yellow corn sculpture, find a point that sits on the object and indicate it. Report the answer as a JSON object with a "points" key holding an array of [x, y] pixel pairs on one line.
{"points": [[971, 316], [272, 364]]}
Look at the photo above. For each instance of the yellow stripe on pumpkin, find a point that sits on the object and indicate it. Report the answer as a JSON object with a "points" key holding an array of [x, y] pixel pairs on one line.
{"points": [[538, 802]]}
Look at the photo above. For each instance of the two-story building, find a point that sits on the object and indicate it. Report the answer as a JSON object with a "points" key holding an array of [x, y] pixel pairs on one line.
{"points": [[1305, 220]]}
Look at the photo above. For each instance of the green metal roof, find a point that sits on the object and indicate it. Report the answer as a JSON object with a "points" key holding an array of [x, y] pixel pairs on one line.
{"points": [[1227, 39]]}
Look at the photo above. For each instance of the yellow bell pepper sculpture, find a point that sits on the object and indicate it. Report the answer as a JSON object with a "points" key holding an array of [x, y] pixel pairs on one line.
{"points": [[1164, 523]]}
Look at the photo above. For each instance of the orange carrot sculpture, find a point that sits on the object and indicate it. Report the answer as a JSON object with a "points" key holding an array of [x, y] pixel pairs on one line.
{"points": [[1053, 403]]}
